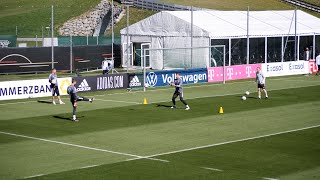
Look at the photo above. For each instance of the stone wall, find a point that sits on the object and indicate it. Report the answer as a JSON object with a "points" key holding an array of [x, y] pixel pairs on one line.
{"points": [[85, 24]]}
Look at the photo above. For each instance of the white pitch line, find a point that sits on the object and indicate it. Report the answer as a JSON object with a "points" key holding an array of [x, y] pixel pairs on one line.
{"points": [[211, 169], [86, 167], [171, 89], [26, 102], [199, 86], [80, 146], [219, 95], [230, 142], [109, 100], [38, 175], [269, 178]]}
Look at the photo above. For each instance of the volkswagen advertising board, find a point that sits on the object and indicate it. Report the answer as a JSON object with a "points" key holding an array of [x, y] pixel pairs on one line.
{"points": [[163, 78]]}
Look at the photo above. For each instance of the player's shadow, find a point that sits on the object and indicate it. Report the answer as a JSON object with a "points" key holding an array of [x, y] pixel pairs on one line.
{"points": [[45, 102], [163, 105], [166, 106], [63, 118]]}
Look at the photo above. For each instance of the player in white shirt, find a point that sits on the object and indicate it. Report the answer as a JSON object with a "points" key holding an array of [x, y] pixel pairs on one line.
{"points": [[261, 80], [53, 79]]}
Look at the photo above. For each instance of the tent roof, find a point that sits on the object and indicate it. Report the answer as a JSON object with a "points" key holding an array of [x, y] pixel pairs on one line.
{"points": [[225, 24]]}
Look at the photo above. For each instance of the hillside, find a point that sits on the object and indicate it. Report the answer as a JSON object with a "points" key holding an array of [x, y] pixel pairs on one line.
{"points": [[31, 15], [233, 4]]}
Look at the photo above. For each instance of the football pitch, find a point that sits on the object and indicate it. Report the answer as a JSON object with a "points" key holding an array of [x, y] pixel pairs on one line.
{"points": [[118, 137]]}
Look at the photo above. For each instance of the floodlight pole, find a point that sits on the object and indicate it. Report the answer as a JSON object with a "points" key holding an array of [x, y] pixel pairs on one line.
{"points": [[248, 40], [191, 35], [52, 35], [144, 70], [127, 37], [295, 35], [112, 29], [224, 64], [314, 47], [71, 55]]}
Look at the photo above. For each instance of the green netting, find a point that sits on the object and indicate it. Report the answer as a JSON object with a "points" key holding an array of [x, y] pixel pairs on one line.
{"points": [[83, 40]]}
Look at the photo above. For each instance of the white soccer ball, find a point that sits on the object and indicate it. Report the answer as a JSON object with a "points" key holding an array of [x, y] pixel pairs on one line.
{"points": [[244, 98], [146, 85], [247, 93]]}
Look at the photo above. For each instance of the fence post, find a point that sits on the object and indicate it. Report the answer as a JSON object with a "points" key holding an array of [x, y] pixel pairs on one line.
{"points": [[36, 40], [71, 55]]}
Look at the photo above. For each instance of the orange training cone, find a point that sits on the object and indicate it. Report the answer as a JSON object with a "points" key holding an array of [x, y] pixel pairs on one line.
{"points": [[221, 110], [145, 101]]}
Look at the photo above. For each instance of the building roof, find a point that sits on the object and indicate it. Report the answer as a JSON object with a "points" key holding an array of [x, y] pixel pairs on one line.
{"points": [[226, 24]]}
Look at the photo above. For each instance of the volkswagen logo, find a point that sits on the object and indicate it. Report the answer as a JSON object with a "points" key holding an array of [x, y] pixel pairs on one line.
{"points": [[152, 79]]}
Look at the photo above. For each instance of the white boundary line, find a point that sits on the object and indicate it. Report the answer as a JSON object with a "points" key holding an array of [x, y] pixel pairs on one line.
{"points": [[211, 169], [162, 88], [26, 102], [230, 142], [80, 146], [90, 166], [219, 95], [38, 175], [109, 100], [187, 87], [269, 178]]}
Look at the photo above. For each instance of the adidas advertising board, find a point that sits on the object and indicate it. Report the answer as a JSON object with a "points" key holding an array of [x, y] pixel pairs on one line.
{"points": [[136, 80], [83, 86], [163, 78], [30, 88], [98, 83]]}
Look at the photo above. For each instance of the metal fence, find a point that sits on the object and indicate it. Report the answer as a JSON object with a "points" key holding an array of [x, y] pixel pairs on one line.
{"points": [[304, 5], [159, 6], [73, 58]]}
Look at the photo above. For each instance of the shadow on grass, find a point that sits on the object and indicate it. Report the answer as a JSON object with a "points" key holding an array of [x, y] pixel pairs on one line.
{"points": [[248, 97], [63, 118], [167, 106], [163, 105], [45, 102]]}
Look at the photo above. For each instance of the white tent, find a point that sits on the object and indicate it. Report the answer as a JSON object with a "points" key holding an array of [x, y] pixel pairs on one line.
{"points": [[172, 29]]}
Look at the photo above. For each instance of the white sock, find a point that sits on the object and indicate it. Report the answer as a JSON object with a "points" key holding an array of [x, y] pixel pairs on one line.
{"points": [[74, 117]]}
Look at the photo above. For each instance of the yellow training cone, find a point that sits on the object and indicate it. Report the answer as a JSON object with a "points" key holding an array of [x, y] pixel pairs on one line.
{"points": [[145, 101], [221, 110]]}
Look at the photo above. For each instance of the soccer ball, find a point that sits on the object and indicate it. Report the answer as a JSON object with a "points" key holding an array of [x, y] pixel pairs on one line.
{"points": [[247, 93], [146, 85], [244, 98]]}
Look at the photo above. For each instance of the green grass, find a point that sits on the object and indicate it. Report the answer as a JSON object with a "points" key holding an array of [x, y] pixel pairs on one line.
{"points": [[234, 5], [313, 1], [255, 5], [117, 121], [135, 16], [31, 15]]}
